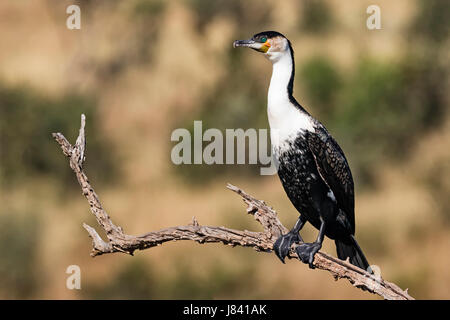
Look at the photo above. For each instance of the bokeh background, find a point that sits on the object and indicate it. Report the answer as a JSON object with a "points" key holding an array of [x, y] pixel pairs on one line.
{"points": [[139, 69]]}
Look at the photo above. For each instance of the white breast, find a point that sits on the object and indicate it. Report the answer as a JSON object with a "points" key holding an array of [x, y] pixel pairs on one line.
{"points": [[285, 120]]}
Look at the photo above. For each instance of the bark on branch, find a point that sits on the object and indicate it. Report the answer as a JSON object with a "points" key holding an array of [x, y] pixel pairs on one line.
{"points": [[118, 241]]}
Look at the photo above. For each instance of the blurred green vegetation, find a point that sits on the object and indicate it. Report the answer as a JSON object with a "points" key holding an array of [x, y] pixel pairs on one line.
{"points": [[137, 280], [217, 281], [146, 15], [432, 21], [322, 82], [149, 8], [234, 10], [317, 17], [20, 273], [27, 120], [134, 280]]}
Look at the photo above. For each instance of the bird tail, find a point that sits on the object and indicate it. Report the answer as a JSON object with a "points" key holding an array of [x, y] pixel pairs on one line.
{"points": [[349, 248]]}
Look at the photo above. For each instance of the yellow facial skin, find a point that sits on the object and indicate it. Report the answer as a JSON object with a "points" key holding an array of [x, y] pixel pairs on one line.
{"points": [[265, 47]]}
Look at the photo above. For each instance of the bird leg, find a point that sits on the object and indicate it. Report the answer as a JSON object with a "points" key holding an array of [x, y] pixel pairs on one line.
{"points": [[307, 251], [284, 242]]}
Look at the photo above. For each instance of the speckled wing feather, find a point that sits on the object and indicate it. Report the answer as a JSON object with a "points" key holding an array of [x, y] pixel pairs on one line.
{"points": [[334, 170]]}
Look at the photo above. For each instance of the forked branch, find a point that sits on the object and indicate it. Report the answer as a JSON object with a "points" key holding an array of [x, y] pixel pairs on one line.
{"points": [[118, 241]]}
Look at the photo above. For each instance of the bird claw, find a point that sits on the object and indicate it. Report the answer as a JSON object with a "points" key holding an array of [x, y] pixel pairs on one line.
{"points": [[307, 251], [283, 244]]}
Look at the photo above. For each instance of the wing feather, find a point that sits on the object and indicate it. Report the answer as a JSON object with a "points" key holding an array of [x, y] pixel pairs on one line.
{"points": [[334, 170]]}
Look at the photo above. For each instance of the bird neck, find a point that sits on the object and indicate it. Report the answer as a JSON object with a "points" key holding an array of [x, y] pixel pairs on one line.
{"points": [[282, 81], [286, 116]]}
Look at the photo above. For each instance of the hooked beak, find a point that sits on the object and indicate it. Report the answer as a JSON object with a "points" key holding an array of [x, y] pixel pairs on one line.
{"points": [[258, 46], [244, 43]]}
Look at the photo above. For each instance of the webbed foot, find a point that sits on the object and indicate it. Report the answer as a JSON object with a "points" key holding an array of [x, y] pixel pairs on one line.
{"points": [[283, 244], [307, 251]]}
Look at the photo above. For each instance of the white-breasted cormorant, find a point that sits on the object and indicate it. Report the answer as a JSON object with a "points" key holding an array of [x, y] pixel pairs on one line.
{"points": [[311, 165]]}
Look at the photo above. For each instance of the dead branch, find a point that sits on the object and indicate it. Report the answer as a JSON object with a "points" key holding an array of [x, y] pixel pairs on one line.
{"points": [[118, 241]]}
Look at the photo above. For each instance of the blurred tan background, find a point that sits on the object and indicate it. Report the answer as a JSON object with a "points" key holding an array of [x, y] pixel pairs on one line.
{"points": [[139, 69]]}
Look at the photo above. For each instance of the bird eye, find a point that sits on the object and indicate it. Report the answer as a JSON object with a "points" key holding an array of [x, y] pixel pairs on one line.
{"points": [[263, 39]]}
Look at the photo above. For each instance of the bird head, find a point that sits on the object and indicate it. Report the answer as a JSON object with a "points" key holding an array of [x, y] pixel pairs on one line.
{"points": [[271, 43]]}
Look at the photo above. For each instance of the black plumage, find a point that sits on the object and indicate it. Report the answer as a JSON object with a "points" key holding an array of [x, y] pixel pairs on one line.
{"points": [[317, 179], [311, 165]]}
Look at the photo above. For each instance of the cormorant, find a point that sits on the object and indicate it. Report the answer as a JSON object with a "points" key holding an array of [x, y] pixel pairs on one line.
{"points": [[311, 165]]}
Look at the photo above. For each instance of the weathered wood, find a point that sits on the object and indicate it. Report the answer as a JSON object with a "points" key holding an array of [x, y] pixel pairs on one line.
{"points": [[118, 241]]}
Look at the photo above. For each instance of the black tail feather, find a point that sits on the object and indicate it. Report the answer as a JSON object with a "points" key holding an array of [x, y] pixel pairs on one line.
{"points": [[350, 249]]}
